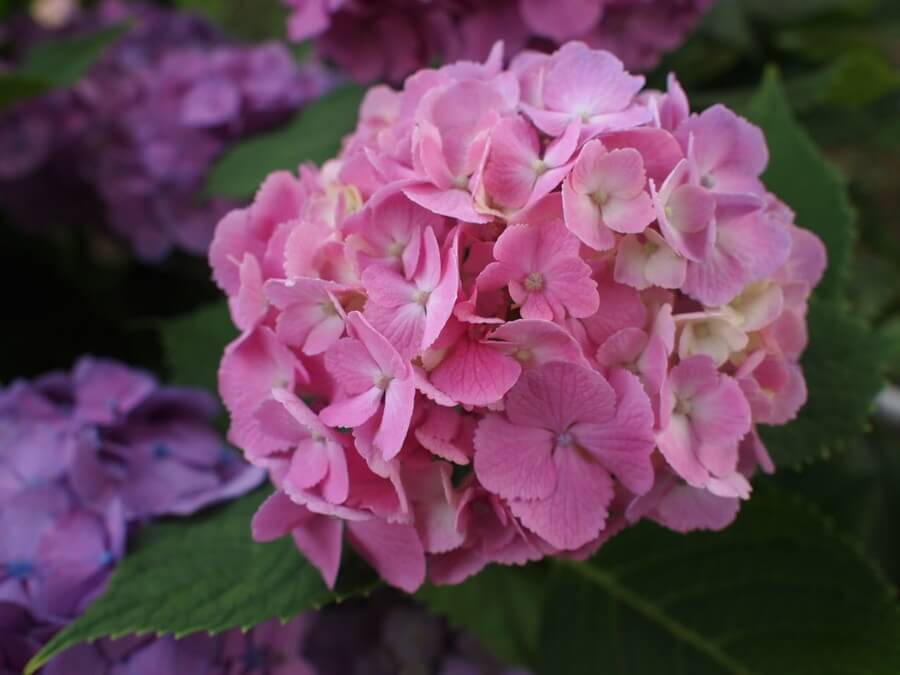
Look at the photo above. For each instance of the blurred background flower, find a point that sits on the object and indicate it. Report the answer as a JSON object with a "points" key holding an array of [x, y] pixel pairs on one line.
{"points": [[132, 142]]}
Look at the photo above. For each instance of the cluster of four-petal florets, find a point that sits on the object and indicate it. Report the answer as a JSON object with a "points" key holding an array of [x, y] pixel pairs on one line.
{"points": [[522, 309]]}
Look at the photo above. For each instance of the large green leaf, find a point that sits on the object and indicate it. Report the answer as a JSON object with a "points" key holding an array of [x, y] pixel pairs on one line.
{"points": [[778, 593], [194, 345], [800, 176], [313, 136], [501, 605], [844, 368], [205, 574]]}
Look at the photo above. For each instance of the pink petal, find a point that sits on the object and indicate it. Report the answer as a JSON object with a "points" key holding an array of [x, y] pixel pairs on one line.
{"points": [[352, 412], [678, 443], [249, 306], [514, 461], [452, 202], [475, 373], [659, 150], [443, 297], [576, 512], [386, 287], [556, 395], [398, 407], [319, 539], [585, 220], [580, 80], [393, 550], [629, 216], [351, 365], [381, 350], [623, 444]]}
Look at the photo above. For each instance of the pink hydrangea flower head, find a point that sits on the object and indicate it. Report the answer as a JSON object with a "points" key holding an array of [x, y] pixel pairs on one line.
{"points": [[521, 310]]}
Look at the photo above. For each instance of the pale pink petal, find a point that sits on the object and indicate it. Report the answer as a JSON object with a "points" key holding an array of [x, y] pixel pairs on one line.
{"points": [[309, 465], [585, 220], [629, 216]]}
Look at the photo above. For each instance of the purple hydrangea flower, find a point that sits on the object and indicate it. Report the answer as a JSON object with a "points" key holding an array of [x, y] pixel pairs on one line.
{"points": [[385, 635], [86, 455], [375, 38], [133, 141]]}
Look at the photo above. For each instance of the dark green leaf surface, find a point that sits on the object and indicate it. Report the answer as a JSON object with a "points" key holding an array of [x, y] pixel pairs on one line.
{"points": [[194, 344], [802, 178], [844, 369], [205, 574], [313, 136], [501, 606], [777, 593]]}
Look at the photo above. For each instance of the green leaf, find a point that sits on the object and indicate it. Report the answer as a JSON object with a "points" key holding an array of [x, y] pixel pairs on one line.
{"points": [[15, 87], [63, 62], [777, 593], [205, 574], [313, 136], [501, 606], [803, 179], [194, 344], [844, 369]]}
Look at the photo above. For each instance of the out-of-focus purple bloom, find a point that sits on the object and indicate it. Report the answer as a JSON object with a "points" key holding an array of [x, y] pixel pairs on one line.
{"points": [[377, 38], [140, 132], [85, 455], [269, 649], [384, 635]]}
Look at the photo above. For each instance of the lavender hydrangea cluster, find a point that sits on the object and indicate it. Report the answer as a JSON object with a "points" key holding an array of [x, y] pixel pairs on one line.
{"points": [[393, 38], [140, 132], [384, 636], [85, 457]]}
